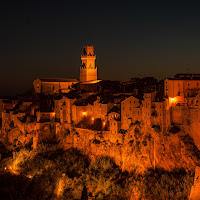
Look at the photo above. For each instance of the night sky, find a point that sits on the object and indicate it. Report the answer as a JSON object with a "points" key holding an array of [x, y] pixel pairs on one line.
{"points": [[131, 39]]}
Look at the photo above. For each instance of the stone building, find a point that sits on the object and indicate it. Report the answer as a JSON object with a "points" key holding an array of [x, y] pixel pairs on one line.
{"points": [[130, 111], [63, 109], [53, 85], [101, 109], [88, 70], [88, 76], [114, 113], [147, 105], [180, 87], [114, 126]]}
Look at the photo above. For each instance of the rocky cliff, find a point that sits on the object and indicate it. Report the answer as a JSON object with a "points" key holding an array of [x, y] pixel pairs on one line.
{"points": [[137, 149]]}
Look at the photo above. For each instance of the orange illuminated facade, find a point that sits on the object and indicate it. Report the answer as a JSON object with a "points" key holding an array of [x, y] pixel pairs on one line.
{"points": [[88, 70], [181, 87]]}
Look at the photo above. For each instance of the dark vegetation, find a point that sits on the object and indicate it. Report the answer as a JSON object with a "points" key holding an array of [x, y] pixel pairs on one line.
{"points": [[191, 147], [158, 184], [174, 129], [51, 173], [156, 128]]}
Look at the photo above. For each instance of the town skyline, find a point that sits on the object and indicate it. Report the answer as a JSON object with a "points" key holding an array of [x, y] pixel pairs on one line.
{"points": [[40, 40]]}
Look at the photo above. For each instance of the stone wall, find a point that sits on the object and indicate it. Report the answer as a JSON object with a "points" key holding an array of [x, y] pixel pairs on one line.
{"points": [[189, 120], [195, 191]]}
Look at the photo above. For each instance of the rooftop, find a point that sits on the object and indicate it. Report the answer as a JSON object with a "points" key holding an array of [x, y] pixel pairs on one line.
{"points": [[57, 80], [186, 77]]}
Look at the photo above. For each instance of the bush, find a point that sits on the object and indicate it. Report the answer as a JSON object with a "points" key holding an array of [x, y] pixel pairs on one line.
{"points": [[148, 136], [137, 131], [166, 185], [174, 129], [136, 122], [156, 128], [144, 142], [95, 141], [130, 142]]}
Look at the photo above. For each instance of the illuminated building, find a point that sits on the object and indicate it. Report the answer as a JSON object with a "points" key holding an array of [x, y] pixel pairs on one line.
{"points": [[88, 70], [181, 87]]}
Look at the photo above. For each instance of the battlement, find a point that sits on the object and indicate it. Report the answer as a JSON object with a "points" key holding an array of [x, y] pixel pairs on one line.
{"points": [[88, 51]]}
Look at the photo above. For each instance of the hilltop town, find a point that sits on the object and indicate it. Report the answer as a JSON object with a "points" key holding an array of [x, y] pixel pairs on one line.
{"points": [[141, 124], [102, 105]]}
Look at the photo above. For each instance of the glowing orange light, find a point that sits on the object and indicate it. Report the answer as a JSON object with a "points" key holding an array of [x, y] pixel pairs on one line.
{"points": [[29, 176], [104, 123], [173, 99], [84, 113], [92, 118]]}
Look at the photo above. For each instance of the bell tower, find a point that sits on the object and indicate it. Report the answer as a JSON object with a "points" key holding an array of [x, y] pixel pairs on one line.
{"points": [[88, 70]]}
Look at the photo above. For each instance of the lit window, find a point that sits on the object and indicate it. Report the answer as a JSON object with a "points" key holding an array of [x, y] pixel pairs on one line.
{"points": [[84, 113]]}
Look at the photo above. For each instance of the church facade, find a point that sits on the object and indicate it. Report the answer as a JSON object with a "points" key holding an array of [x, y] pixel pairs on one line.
{"points": [[88, 74]]}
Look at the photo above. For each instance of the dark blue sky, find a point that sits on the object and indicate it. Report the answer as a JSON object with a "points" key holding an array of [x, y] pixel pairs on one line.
{"points": [[45, 39]]}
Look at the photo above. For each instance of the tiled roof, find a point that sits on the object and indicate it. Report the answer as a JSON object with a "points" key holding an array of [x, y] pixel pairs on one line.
{"points": [[114, 109], [186, 77], [58, 80], [85, 102]]}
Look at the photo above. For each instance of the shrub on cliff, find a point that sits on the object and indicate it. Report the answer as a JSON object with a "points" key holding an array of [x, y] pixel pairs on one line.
{"points": [[174, 129], [136, 122], [166, 185], [156, 128], [104, 178]]}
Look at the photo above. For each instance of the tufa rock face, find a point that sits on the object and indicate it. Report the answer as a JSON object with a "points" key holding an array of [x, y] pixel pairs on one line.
{"points": [[137, 150], [195, 191]]}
